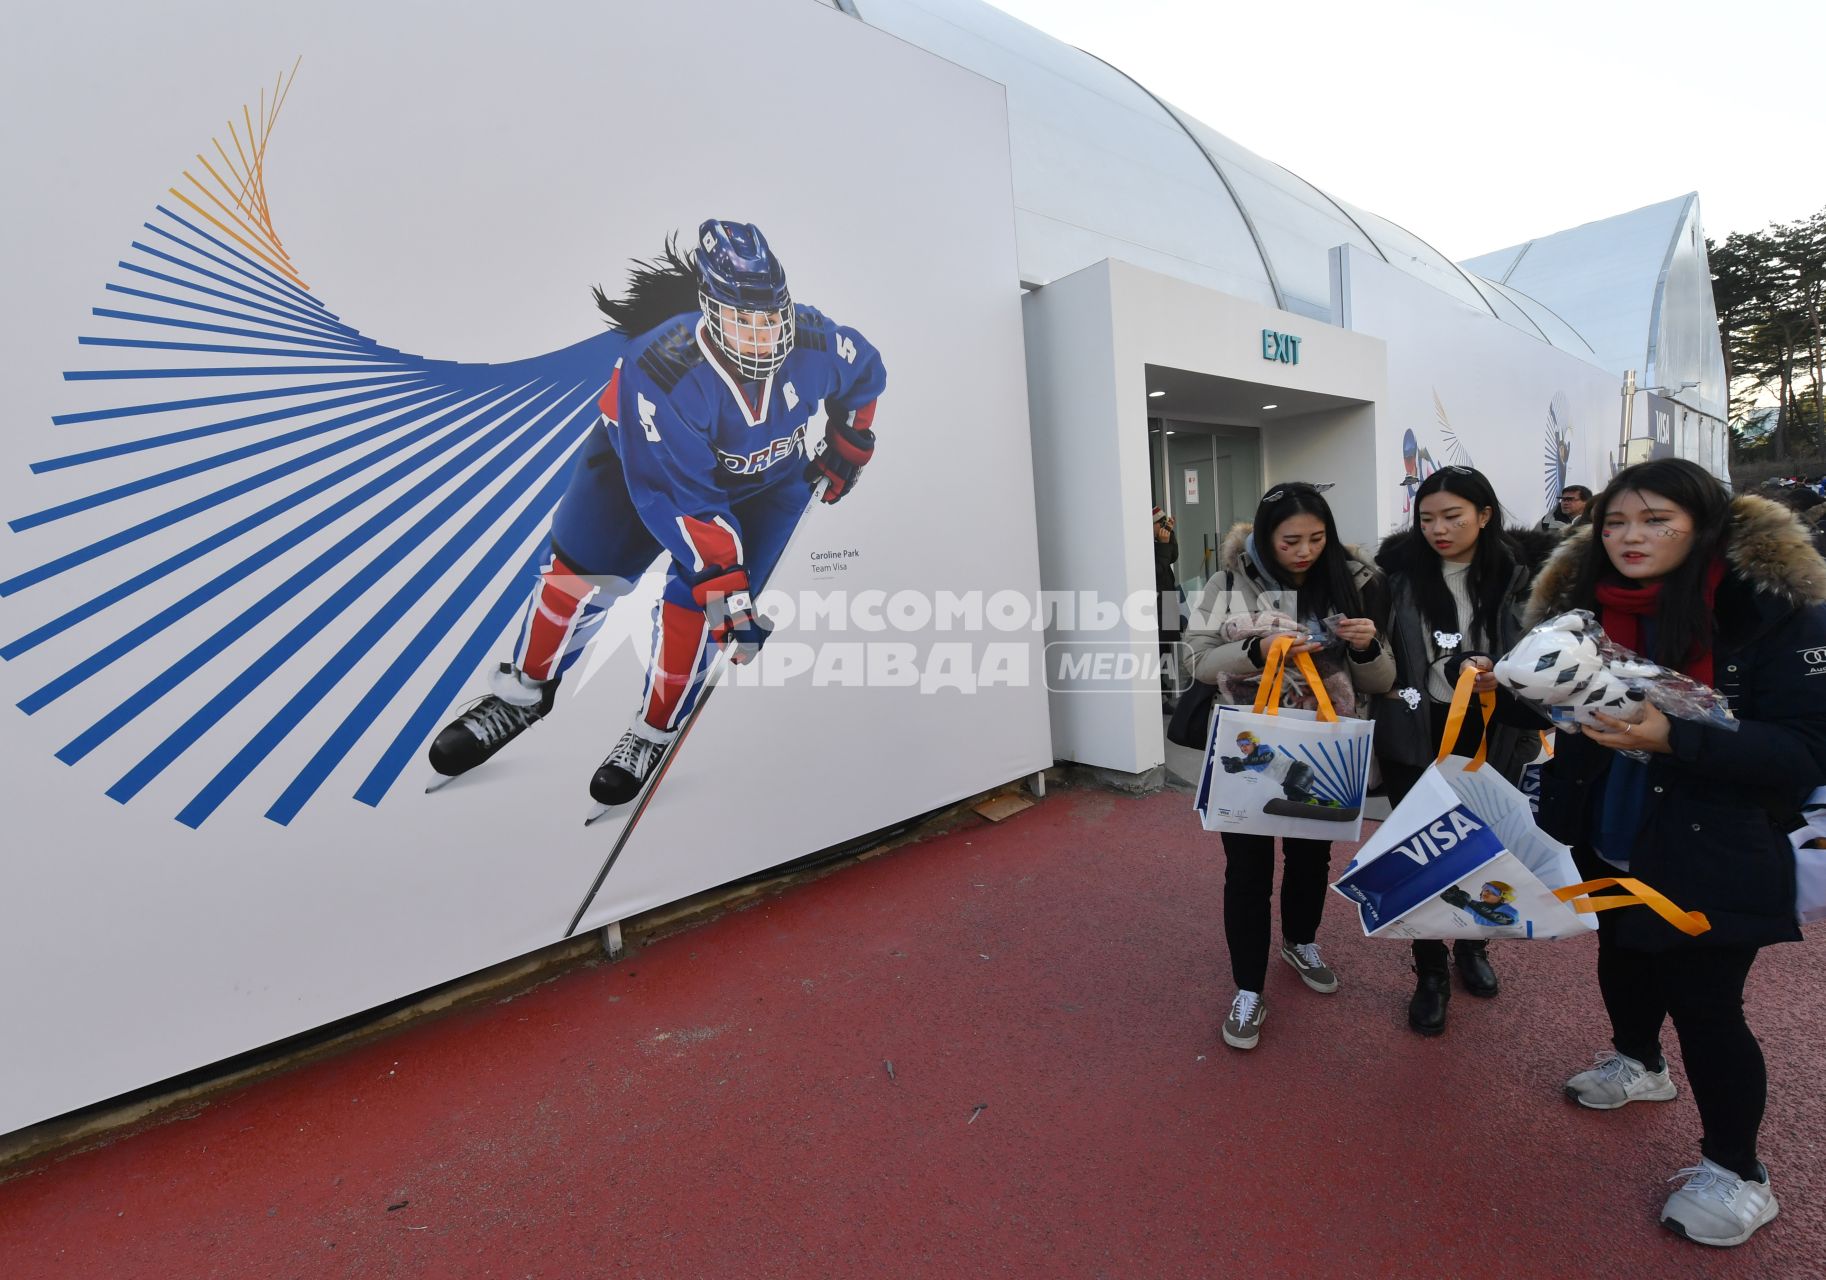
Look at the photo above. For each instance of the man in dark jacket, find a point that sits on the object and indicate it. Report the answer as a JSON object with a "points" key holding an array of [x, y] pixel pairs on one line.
{"points": [[1172, 603], [1575, 499]]}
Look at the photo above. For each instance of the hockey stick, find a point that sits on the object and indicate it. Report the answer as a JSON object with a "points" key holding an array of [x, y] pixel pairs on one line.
{"points": [[659, 771]]}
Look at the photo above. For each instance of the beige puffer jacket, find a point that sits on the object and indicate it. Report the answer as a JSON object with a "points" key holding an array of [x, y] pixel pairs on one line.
{"points": [[1239, 602]]}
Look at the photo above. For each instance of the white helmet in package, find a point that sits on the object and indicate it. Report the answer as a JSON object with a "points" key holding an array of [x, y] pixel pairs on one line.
{"points": [[1568, 669]]}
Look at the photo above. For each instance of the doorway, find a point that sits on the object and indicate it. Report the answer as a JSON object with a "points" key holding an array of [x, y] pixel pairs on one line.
{"points": [[1207, 477]]}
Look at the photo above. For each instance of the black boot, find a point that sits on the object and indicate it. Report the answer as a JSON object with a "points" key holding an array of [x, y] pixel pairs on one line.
{"points": [[1432, 992], [1474, 968]]}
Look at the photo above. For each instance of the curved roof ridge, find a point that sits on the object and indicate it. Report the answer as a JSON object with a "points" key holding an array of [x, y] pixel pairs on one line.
{"points": [[1242, 210]]}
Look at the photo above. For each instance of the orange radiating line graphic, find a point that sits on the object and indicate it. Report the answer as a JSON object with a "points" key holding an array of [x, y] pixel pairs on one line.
{"points": [[246, 216]]}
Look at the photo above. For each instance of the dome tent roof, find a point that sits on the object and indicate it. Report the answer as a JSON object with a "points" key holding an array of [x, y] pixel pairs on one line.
{"points": [[1104, 168]]}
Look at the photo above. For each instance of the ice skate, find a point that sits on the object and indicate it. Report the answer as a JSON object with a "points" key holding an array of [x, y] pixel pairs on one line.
{"points": [[513, 706], [629, 767]]}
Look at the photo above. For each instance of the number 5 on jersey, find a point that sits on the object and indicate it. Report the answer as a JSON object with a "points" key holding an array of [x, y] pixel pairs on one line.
{"points": [[647, 409]]}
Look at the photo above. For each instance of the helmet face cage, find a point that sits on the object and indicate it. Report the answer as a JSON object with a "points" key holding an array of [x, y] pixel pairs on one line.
{"points": [[755, 342]]}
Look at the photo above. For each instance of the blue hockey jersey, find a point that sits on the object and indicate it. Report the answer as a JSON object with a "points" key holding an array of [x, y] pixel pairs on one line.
{"points": [[695, 440]]}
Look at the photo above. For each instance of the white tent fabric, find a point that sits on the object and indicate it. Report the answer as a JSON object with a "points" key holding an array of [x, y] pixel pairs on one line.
{"points": [[1638, 287], [1103, 168]]}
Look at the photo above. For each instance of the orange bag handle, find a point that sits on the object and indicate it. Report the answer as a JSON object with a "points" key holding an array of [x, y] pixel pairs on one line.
{"points": [[1268, 689], [1455, 719], [1691, 923], [1274, 672], [1547, 743]]}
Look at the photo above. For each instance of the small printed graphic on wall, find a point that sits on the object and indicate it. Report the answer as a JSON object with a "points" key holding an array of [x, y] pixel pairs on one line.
{"points": [[398, 495], [1558, 451], [1418, 462]]}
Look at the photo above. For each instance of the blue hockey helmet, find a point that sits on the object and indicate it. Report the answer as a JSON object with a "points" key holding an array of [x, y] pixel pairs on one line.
{"points": [[742, 291]]}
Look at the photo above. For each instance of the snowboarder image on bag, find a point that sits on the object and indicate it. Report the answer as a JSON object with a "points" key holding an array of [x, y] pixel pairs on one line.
{"points": [[700, 456], [1491, 907], [1294, 776]]}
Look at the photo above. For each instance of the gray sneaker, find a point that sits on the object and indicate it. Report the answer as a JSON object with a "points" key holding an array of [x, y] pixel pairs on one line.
{"points": [[1616, 1079], [1304, 957], [1244, 1025], [1718, 1207]]}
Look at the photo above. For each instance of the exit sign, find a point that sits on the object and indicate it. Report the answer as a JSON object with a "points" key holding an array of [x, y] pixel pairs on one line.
{"points": [[1283, 347]]}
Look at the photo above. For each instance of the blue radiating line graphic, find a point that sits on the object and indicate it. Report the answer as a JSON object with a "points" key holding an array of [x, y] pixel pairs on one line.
{"points": [[134, 487], [155, 524], [414, 441], [95, 604], [323, 615], [250, 617], [246, 285], [241, 572], [286, 286], [327, 337], [319, 343], [144, 443], [532, 514], [245, 298], [236, 397]]}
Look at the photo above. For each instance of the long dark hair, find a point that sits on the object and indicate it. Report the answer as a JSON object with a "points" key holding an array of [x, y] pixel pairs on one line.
{"points": [[657, 290], [1329, 587], [1493, 559], [1683, 623]]}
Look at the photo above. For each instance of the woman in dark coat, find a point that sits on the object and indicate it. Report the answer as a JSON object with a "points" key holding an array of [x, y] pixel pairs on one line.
{"points": [[1729, 592], [1458, 583]]}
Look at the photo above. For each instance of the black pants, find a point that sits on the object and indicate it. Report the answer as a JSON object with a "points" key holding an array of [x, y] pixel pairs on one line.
{"points": [[1702, 990], [1399, 779], [1249, 883]]}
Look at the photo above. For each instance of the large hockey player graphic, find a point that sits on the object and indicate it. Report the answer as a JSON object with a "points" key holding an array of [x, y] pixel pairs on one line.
{"points": [[700, 456]]}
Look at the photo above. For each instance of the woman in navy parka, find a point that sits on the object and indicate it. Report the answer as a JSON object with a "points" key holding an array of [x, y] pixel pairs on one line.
{"points": [[1730, 592]]}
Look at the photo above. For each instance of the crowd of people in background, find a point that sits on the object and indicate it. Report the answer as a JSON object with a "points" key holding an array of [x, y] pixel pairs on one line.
{"points": [[1729, 591]]}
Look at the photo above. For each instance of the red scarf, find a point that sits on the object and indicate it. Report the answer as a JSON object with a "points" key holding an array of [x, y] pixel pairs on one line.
{"points": [[1623, 606]]}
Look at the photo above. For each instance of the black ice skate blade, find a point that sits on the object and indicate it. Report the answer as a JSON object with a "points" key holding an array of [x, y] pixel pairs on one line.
{"points": [[1316, 812], [439, 781]]}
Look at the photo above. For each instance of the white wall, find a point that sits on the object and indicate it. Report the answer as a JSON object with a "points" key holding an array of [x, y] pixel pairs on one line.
{"points": [[454, 187]]}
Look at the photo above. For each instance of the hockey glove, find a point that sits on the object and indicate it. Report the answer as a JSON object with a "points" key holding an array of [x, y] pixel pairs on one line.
{"points": [[730, 611], [840, 458], [1456, 897]]}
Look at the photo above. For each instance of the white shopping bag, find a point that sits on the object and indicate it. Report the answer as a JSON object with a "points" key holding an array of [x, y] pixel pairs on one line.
{"points": [[1810, 861], [1460, 856], [1280, 771]]}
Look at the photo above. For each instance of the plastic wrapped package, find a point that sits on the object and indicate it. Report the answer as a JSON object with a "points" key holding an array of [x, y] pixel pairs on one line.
{"points": [[1569, 670]]}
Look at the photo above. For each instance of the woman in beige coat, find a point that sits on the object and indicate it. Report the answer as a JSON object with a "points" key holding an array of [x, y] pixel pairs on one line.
{"points": [[1288, 573]]}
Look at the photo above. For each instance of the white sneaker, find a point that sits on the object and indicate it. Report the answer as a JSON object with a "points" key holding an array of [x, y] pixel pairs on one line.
{"points": [[1718, 1207], [1244, 1025], [1616, 1079], [1304, 957]]}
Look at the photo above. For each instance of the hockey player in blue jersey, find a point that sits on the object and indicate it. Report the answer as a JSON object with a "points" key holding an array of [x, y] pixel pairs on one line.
{"points": [[700, 455]]}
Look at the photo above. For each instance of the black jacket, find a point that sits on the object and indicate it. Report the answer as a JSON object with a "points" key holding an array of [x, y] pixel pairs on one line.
{"points": [[1166, 586], [1404, 734], [1714, 835]]}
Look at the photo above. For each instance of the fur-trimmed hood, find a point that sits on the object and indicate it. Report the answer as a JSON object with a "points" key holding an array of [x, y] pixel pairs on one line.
{"points": [[1396, 552], [1766, 545], [1233, 555]]}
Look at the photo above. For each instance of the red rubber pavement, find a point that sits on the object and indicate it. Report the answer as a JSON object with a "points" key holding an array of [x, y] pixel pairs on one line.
{"points": [[717, 1105]]}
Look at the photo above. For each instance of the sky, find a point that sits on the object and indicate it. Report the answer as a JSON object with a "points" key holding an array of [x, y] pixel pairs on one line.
{"points": [[1479, 125]]}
